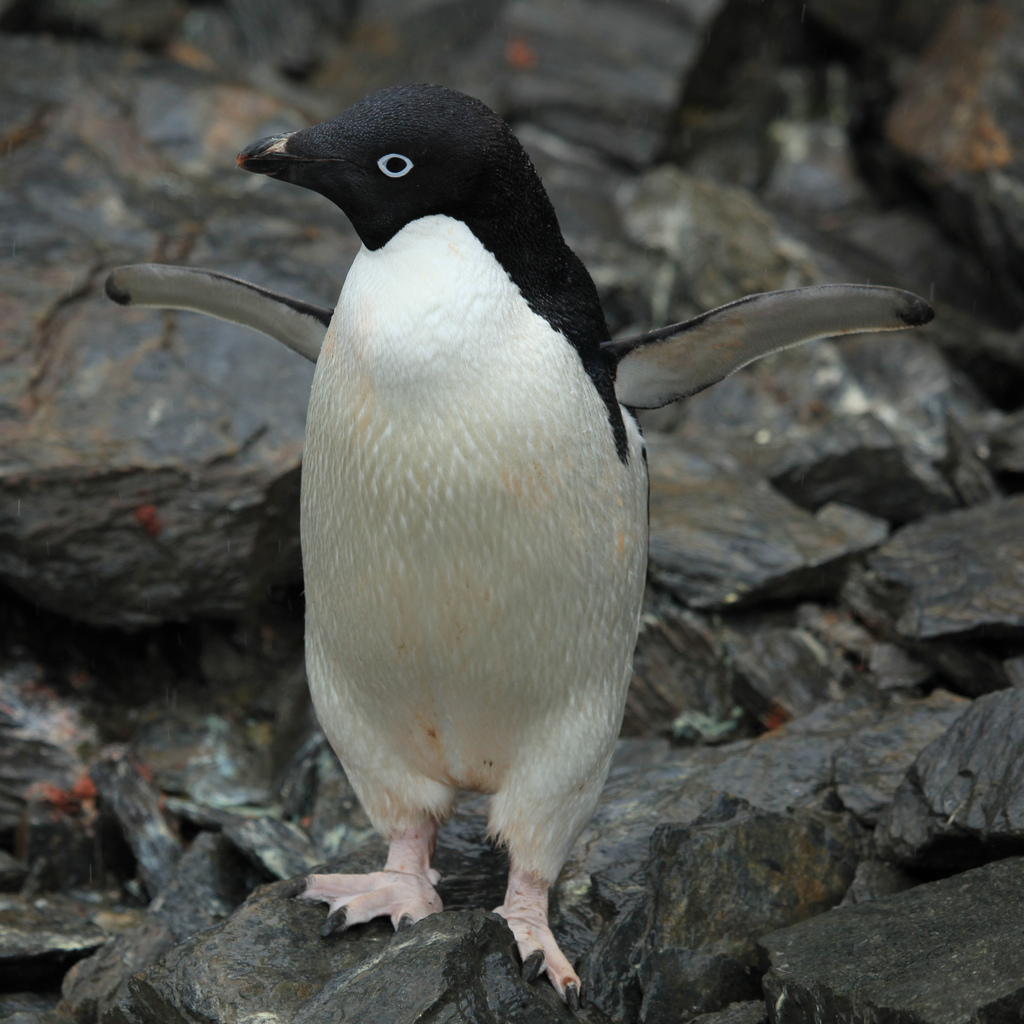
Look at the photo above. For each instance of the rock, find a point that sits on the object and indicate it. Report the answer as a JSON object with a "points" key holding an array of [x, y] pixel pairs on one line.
{"points": [[752, 1012], [12, 872], [954, 121], [871, 765], [41, 938], [151, 473], [963, 797], [715, 242], [875, 879], [600, 73], [895, 669], [958, 573], [1007, 445], [680, 984], [784, 673], [277, 849], [940, 953], [41, 736], [678, 667], [123, 789], [204, 758], [761, 547], [208, 882], [27, 1008]]}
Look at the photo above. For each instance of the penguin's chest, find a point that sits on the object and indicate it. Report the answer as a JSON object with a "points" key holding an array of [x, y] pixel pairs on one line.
{"points": [[471, 540]]}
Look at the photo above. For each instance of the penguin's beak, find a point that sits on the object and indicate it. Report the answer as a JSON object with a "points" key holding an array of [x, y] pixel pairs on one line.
{"points": [[267, 156]]}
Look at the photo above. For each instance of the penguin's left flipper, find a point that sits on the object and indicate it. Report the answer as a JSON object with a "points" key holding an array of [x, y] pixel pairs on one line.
{"points": [[677, 361], [299, 325]]}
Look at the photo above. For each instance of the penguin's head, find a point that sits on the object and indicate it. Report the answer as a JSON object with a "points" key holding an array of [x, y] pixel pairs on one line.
{"points": [[404, 153]]}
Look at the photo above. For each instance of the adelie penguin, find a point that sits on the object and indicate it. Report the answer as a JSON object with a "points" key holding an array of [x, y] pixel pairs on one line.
{"points": [[474, 486]]}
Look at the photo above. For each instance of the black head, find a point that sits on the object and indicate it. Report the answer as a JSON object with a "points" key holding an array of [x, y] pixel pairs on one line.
{"points": [[405, 153], [417, 150]]}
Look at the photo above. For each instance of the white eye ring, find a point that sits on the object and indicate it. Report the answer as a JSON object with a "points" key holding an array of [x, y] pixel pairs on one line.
{"points": [[382, 163]]}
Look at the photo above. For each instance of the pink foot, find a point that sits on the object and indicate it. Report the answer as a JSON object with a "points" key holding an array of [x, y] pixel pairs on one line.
{"points": [[403, 891], [526, 911]]}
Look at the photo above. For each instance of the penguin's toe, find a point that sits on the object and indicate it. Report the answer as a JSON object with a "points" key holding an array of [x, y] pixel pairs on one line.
{"points": [[540, 954]]}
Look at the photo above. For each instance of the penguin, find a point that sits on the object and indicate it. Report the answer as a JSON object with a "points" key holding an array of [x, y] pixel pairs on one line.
{"points": [[474, 489]]}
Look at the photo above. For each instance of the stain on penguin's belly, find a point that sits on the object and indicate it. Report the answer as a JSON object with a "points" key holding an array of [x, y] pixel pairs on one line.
{"points": [[464, 584]]}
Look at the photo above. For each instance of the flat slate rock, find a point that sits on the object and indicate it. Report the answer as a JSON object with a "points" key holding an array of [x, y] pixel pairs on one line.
{"points": [[41, 938], [721, 540], [948, 952], [964, 794], [958, 574]]}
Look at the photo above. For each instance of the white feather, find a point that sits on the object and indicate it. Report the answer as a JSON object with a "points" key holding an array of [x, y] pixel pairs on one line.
{"points": [[474, 549]]}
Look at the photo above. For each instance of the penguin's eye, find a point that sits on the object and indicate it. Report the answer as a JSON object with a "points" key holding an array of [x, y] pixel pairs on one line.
{"points": [[394, 165]]}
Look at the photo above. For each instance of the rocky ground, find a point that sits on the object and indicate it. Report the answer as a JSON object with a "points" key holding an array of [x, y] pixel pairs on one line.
{"points": [[816, 811]]}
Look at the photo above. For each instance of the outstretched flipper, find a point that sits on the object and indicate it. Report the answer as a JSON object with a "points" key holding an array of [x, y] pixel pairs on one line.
{"points": [[299, 325], [677, 361]]}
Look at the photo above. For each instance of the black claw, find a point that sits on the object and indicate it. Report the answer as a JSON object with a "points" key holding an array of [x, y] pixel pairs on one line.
{"points": [[572, 997], [532, 966], [405, 921], [335, 923], [296, 887]]}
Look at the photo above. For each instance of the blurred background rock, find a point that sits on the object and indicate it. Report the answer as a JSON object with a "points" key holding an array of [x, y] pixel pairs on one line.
{"points": [[837, 531]]}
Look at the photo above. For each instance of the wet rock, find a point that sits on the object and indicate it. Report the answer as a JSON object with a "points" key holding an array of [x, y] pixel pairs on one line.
{"points": [[957, 574], [870, 766], [760, 547], [955, 123], [41, 938], [942, 952], [680, 984], [151, 472], [875, 879], [316, 794], [209, 881], [278, 849], [125, 792], [752, 1012], [462, 963], [204, 758], [962, 800]]}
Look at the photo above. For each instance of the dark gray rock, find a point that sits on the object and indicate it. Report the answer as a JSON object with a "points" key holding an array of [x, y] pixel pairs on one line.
{"points": [[752, 1012], [277, 849], [963, 797], [27, 1008], [784, 673], [204, 758], [875, 879], [895, 669], [151, 472], [208, 882], [42, 737], [678, 984], [958, 574], [1007, 445], [124, 791], [761, 548], [678, 668], [41, 938], [940, 953], [12, 872], [603, 74], [870, 766], [956, 124]]}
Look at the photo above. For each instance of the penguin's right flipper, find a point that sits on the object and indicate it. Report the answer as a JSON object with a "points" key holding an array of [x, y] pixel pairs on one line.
{"points": [[677, 361], [299, 325]]}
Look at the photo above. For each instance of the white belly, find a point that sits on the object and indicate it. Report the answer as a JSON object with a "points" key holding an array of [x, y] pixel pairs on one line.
{"points": [[474, 551]]}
